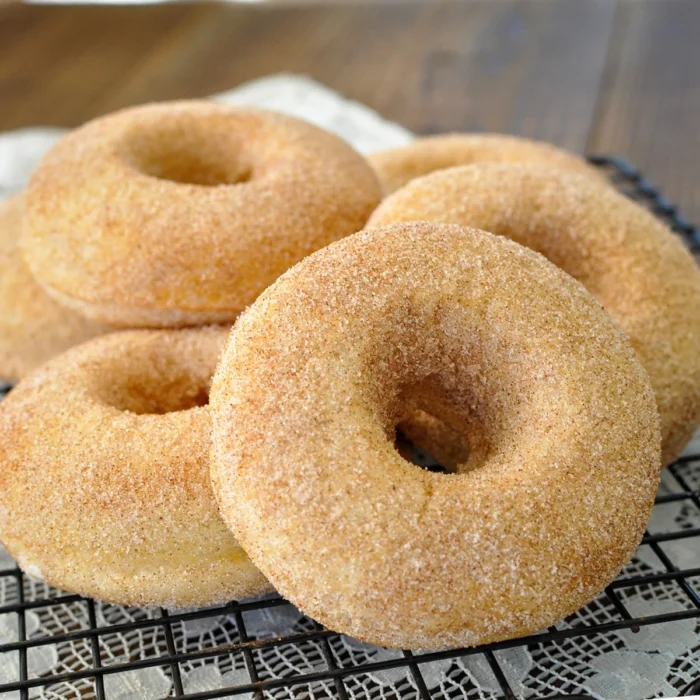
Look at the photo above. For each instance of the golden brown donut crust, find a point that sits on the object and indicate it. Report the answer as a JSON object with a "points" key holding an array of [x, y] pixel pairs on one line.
{"points": [[637, 268], [181, 213], [33, 327], [397, 166], [496, 341], [104, 484]]}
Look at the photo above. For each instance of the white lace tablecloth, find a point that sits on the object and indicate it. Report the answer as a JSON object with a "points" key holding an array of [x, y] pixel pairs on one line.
{"points": [[656, 661]]}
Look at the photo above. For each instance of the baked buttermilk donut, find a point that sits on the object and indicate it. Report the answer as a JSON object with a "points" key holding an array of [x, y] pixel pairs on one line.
{"points": [[181, 213], [497, 342], [396, 166], [33, 327], [104, 479], [637, 268]]}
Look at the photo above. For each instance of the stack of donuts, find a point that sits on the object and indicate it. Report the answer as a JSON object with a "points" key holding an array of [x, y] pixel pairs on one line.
{"points": [[219, 318]]}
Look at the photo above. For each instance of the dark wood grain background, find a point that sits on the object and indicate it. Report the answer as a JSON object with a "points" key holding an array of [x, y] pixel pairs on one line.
{"points": [[593, 75]]}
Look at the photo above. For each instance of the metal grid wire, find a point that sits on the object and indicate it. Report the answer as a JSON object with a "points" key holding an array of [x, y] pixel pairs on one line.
{"points": [[93, 642]]}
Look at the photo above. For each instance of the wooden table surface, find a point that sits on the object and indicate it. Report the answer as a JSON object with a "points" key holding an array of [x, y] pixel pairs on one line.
{"points": [[593, 75]]}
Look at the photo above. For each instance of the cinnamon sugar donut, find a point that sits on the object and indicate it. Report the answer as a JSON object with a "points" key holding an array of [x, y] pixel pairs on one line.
{"points": [[397, 166], [104, 480], [33, 327], [182, 213], [501, 345], [637, 268]]}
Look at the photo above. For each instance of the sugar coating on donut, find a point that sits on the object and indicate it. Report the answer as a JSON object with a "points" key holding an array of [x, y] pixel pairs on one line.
{"points": [[182, 213], [33, 327], [397, 166], [636, 267], [104, 487], [492, 339]]}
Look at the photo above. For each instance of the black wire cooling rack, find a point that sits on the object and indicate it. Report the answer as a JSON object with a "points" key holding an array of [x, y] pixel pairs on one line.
{"points": [[89, 644]]}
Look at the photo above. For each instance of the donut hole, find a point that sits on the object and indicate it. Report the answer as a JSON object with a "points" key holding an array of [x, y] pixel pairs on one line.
{"points": [[415, 454], [157, 386], [158, 400], [181, 165], [188, 156], [427, 441]]}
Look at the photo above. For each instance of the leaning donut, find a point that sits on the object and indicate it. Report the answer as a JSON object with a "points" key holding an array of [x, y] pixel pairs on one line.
{"points": [[636, 267], [397, 166], [33, 327], [497, 342], [104, 479], [182, 213]]}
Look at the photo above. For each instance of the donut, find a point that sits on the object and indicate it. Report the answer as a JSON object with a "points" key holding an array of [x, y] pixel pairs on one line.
{"points": [[33, 327], [181, 213], [637, 268], [397, 166], [495, 341], [104, 483]]}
